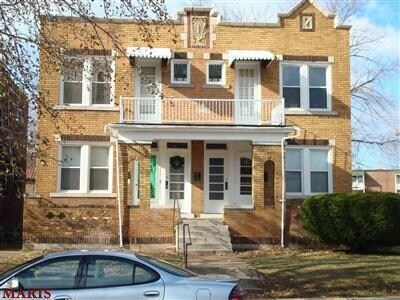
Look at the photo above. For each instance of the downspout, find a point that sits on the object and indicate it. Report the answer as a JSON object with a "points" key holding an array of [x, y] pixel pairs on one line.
{"points": [[119, 196], [284, 183]]}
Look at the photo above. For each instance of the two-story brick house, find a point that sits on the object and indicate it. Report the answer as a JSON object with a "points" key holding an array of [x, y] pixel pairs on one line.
{"points": [[198, 123]]}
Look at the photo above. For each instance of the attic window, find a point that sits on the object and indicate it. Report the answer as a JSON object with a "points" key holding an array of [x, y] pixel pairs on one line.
{"points": [[307, 22]]}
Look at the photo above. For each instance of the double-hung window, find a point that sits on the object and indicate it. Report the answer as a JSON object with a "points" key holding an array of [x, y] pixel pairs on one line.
{"points": [[180, 71], [215, 72], [87, 81], [308, 171], [306, 86], [85, 168]]}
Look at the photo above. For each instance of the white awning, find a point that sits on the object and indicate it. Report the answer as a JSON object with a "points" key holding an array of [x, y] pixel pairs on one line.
{"points": [[249, 55], [147, 52]]}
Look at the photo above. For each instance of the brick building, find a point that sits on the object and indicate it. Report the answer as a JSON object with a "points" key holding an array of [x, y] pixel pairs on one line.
{"points": [[13, 143], [376, 181], [196, 123]]}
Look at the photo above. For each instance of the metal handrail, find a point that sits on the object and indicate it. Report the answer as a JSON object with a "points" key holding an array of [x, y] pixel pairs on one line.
{"points": [[176, 205], [186, 245]]}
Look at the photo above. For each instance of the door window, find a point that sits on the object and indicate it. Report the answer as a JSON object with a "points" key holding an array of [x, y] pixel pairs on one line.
{"points": [[245, 176], [147, 82], [53, 274], [108, 272], [216, 181], [177, 178]]}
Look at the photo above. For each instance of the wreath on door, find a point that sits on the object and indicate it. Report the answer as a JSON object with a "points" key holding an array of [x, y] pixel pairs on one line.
{"points": [[177, 162]]}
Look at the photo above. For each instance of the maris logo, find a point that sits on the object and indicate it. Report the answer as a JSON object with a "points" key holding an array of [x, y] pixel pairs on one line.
{"points": [[28, 294]]}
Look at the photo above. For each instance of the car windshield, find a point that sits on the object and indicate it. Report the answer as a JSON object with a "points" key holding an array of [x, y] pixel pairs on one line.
{"points": [[18, 268], [167, 267]]}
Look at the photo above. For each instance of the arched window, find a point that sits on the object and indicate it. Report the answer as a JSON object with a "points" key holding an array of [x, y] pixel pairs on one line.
{"points": [[269, 183]]}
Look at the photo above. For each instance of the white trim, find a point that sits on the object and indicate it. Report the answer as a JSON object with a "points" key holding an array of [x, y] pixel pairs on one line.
{"points": [[85, 167], [257, 135], [82, 195], [180, 61], [306, 172], [305, 87], [223, 72], [87, 83]]}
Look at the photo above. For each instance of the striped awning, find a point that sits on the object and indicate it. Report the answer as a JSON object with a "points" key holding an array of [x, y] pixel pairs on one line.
{"points": [[249, 55], [147, 52]]}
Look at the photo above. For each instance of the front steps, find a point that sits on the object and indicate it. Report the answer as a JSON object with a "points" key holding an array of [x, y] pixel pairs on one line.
{"points": [[209, 236]]}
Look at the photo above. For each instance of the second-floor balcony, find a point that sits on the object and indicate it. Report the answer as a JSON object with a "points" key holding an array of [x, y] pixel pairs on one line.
{"points": [[202, 111]]}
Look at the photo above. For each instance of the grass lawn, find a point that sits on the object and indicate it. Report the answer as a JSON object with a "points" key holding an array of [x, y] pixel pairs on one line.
{"points": [[307, 273]]}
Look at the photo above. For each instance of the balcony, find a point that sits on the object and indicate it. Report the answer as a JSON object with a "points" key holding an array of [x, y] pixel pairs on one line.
{"points": [[201, 111]]}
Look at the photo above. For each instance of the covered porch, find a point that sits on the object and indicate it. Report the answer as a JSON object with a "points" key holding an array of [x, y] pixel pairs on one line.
{"points": [[201, 170]]}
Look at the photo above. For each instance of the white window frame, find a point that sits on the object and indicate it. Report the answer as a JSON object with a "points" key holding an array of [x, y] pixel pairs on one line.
{"points": [[223, 71], [301, 170], [397, 184], [305, 87], [87, 82], [180, 61], [306, 170], [85, 168]]}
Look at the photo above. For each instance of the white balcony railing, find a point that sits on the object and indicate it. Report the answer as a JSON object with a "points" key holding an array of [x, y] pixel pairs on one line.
{"points": [[201, 111]]}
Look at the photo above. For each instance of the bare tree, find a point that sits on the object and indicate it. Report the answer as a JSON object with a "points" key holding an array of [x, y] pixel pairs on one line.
{"points": [[26, 27], [375, 117]]}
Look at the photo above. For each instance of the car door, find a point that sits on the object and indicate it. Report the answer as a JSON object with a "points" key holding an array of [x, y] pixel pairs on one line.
{"points": [[55, 278], [107, 277]]}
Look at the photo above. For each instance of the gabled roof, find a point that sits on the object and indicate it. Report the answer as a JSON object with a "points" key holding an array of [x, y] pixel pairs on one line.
{"points": [[313, 3]]}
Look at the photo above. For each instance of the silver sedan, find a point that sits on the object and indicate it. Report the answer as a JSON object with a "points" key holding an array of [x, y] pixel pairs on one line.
{"points": [[92, 275]]}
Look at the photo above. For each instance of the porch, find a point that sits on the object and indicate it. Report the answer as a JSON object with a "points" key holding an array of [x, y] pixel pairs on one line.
{"points": [[204, 178], [201, 111]]}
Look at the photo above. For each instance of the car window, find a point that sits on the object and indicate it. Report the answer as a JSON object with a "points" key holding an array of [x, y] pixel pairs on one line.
{"points": [[18, 268], [174, 270], [110, 271], [57, 273]]}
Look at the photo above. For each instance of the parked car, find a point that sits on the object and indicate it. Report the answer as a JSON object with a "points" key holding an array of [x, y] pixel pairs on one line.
{"points": [[88, 275]]}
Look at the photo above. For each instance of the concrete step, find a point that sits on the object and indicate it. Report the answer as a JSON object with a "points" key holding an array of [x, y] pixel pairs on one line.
{"points": [[207, 235], [208, 240]]}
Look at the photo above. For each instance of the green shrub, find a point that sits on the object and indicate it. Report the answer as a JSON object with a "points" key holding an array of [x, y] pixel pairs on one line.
{"points": [[356, 220]]}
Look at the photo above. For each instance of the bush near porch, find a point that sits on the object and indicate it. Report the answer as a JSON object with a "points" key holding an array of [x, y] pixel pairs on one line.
{"points": [[359, 221]]}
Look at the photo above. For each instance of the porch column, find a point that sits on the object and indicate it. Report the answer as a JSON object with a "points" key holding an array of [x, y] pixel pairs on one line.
{"points": [[262, 154], [128, 154]]}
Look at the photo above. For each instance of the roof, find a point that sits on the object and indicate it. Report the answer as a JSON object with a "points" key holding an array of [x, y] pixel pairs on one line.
{"points": [[249, 55], [147, 52]]}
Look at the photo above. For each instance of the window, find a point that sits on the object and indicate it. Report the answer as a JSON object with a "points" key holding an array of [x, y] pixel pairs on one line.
{"points": [[87, 81], [291, 85], [52, 274], [101, 81], [293, 171], [398, 183], [308, 171], [245, 176], [71, 168], [180, 71], [72, 82], [357, 179], [319, 171], [107, 272], [85, 168], [306, 86], [215, 72], [99, 162]]}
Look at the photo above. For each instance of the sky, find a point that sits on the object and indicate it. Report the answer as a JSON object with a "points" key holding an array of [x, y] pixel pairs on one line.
{"points": [[380, 17]]}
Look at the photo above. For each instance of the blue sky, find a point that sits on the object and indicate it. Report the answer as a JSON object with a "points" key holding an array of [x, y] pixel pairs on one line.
{"points": [[380, 17]]}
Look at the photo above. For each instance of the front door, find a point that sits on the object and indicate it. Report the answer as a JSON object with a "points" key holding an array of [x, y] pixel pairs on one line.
{"points": [[177, 181], [148, 101], [216, 183], [248, 102]]}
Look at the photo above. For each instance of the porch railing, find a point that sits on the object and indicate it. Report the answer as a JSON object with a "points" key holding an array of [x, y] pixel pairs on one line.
{"points": [[202, 111]]}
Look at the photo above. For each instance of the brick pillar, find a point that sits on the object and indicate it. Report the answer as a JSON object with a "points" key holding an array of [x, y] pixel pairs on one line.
{"points": [[197, 183], [261, 154]]}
